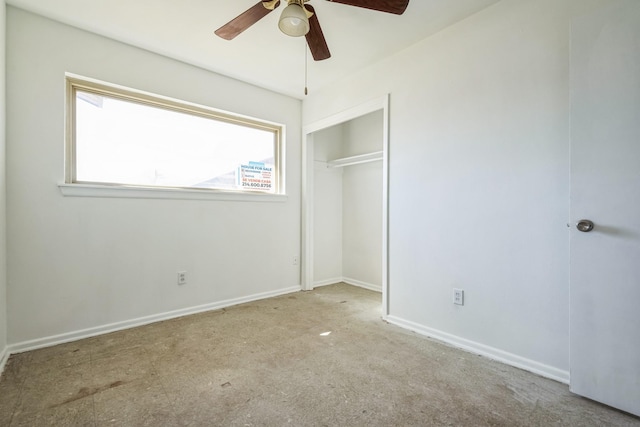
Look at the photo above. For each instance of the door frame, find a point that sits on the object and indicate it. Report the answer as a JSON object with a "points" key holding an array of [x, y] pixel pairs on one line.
{"points": [[378, 104]]}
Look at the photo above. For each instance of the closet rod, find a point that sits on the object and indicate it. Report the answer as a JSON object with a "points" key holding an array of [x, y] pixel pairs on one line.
{"points": [[355, 160]]}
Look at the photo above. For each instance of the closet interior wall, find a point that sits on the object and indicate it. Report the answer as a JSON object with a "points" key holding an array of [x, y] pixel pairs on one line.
{"points": [[348, 203]]}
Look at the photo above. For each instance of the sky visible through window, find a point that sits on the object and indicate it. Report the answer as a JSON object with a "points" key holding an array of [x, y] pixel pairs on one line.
{"points": [[124, 142]]}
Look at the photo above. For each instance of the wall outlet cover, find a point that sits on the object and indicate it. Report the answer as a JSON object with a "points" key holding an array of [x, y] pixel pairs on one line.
{"points": [[458, 296], [182, 277]]}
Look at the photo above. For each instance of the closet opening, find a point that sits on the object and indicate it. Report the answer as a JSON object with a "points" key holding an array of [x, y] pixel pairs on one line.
{"points": [[345, 209]]}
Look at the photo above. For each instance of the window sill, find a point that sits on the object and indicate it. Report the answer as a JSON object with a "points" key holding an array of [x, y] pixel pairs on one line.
{"points": [[116, 191]]}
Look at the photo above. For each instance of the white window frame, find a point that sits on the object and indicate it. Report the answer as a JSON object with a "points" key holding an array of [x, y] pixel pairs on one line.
{"points": [[81, 189]]}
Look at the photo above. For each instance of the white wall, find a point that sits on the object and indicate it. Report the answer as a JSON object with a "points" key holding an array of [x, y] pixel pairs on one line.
{"points": [[362, 203], [327, 208], [3, 205], [479, 179], [77, 263]]}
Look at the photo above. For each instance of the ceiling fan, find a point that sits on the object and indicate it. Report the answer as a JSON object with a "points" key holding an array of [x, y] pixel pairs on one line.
{"points": [[300, 19]]}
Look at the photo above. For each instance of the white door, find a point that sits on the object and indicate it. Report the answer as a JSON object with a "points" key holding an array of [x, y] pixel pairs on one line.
{"points": [[605, 188]]}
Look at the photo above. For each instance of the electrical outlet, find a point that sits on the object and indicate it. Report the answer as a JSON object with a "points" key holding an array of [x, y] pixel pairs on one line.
{"points": [[182, 277], [296, 260], [458, 296]]}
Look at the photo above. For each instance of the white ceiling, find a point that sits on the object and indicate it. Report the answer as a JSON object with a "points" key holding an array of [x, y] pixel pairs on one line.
{"points": [[262, 55]]}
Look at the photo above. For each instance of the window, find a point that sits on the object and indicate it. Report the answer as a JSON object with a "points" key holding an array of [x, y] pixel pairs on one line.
{"points": [[120, 137]]}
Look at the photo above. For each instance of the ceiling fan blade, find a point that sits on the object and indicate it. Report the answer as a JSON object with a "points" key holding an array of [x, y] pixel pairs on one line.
{"points": [[390, 6], [246, 19], [315, 37]]}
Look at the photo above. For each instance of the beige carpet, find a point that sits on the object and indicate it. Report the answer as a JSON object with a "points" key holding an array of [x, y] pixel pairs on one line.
{"points": [[320, 358]]}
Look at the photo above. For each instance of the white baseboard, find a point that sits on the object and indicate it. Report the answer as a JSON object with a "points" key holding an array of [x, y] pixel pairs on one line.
{"points": [[4, 357], [348, 281], [484, 350], [361, 284], [118, 326], [327, 282]]}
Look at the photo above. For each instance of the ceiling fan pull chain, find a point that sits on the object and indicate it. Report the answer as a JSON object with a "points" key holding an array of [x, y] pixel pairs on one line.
{"points": [[306, 61]]}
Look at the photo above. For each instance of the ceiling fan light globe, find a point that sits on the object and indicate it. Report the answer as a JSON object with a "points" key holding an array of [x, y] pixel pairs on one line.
{"points": [[293, 21]]}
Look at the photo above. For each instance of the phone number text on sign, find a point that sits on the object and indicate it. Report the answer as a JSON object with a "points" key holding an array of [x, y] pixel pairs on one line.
{"points": [[256, 176]]}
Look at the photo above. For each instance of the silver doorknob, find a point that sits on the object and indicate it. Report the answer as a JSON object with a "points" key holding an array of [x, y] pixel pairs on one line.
{"points": [[585, 225]]}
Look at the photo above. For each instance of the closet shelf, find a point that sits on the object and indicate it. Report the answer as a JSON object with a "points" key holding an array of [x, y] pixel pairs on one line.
{"points": [[355, 160]]}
